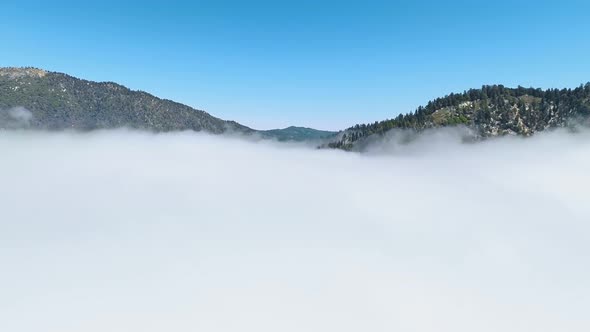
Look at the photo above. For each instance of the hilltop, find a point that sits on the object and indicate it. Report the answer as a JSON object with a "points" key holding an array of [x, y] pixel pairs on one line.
{"points": [[493, 110], [59, 101], [293, 133]]}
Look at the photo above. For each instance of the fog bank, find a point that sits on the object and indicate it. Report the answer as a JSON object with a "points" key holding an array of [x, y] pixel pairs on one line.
{"points": [[130, 231]]}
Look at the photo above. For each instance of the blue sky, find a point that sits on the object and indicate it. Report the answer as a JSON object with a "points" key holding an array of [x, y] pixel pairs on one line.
{"points": [[325, 64]]}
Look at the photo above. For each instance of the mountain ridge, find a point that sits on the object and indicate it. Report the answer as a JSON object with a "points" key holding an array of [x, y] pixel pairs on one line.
{"points": [[491, 111], [296, 133], [60, 101]]}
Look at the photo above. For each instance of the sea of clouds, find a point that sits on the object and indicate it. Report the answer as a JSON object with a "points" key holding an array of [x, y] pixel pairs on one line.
{"points": [[130, 231]]}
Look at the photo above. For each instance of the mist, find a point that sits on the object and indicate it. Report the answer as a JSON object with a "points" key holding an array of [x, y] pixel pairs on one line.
{"points": [[15, 117], [133, 231]]}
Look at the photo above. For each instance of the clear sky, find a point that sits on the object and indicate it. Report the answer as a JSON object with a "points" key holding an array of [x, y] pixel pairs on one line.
{"points": [[325, 64]]}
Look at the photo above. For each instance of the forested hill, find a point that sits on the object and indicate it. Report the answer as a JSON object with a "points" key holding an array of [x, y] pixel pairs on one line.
{"points": [[490, 111], [59, 101], [298, 134]]}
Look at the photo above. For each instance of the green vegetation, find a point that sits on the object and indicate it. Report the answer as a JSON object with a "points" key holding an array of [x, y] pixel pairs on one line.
{"points": [[58, 101], [297, 134], [490, 111]]}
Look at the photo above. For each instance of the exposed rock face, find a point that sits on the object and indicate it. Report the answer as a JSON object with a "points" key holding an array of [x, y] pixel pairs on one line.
{"points": [[14, 73]]}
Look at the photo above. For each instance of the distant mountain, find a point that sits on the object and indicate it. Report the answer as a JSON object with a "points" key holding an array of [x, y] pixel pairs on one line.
{"points": [[298, 134], [59, 101], [487, 112]]}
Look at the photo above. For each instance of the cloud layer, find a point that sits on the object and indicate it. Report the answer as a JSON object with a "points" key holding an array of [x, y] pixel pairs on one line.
{"points": [[128, 231]]}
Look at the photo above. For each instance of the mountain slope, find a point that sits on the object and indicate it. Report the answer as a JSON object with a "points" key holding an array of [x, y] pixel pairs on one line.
{"points": [[59, 101], [486, 112], [297, 134]]}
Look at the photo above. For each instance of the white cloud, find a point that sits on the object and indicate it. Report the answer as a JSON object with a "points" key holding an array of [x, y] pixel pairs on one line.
{"points": [[20, 114], [16, 117], [127, 231]]}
